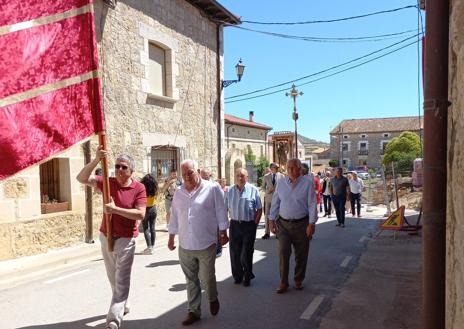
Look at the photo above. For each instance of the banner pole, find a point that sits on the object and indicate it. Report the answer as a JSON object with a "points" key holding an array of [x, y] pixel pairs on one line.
{"points": [[106, 191]]}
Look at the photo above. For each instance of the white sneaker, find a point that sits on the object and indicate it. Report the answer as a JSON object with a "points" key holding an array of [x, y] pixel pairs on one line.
{"points": [[148, 251], [111, 325]]}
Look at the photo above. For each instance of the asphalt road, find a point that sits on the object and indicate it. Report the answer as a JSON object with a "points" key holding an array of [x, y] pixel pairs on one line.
{"points": [[79, 297]]}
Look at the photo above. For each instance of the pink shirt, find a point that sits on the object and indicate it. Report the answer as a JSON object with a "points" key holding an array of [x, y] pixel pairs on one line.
{"points": [[128, 197]]}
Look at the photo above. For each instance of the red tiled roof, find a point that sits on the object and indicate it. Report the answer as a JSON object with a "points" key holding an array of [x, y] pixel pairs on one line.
{"points": [[378, 125], [243, 122]]}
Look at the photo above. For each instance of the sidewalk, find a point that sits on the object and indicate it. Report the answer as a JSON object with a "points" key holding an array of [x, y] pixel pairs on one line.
{"points": [[385, 290], [19, 270]]}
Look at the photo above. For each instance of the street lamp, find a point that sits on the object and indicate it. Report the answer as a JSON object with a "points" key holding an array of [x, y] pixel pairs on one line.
{"points": [[239, 69], [294, 93]]}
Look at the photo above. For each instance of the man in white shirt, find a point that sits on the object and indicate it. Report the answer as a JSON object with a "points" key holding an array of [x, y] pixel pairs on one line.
{"points": [[198, 211], [356, 187]]}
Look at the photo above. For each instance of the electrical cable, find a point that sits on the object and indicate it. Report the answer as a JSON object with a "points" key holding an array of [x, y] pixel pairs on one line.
{"points": [[327, 76], [372, 38], [331, 20], [322, 71]]}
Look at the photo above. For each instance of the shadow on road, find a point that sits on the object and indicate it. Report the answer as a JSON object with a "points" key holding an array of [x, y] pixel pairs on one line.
{"points": [[258, 306]]}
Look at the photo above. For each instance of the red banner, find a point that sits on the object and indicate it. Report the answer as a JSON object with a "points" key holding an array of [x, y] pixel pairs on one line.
{"points": [[49, 94]]}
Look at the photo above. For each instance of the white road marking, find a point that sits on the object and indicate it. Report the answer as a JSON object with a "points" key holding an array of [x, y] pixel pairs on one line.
{"points": [[363, 238], [65, 276], [312, 308], [96, 323], [346, 261]]}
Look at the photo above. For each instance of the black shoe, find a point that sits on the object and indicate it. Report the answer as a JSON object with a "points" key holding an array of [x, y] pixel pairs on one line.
{"points": [[325, 215], [237, 281], [265, 236], [214, 307], [246, 282], [342, 225], [338, 224]]}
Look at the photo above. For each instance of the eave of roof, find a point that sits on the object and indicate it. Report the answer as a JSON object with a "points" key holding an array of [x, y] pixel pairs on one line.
{"points": [[230, 119], [215, 11]]}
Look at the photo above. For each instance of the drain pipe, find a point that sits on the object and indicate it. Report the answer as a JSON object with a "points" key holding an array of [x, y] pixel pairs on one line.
{"points": [[435, 148], [219, 99]]}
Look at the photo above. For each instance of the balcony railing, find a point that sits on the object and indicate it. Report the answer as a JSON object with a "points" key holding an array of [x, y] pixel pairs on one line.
{"points": [[363, 152]]}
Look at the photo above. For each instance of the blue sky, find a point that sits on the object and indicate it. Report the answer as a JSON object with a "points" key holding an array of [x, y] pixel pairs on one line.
{"points": [[385, 87]]}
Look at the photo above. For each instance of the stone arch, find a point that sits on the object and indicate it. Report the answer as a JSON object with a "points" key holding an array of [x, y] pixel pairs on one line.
{"points": [[234, 159]]}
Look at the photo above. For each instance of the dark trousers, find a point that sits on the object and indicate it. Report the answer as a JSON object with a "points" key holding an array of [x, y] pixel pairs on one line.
{"points": [[327, 204], [241, 244], [339, 205], [356, 198], [292, 234], [148, 224]]}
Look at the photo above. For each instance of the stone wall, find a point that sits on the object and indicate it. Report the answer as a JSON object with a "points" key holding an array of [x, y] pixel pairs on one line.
{"points": [[187, 116], [24, 230], [455, 207]]}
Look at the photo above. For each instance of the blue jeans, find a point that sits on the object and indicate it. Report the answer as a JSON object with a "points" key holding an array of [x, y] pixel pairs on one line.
{"points": [[339, 205]]}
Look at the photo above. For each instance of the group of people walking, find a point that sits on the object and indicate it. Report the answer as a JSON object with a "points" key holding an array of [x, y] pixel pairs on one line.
{"points": [[202, 213]]}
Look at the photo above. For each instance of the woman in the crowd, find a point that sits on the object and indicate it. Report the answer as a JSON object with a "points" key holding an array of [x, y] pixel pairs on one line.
{"points": [[151, 186]]}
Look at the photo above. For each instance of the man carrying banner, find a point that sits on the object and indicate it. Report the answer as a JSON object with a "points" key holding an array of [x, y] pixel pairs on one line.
{"points": [[126, 208]]}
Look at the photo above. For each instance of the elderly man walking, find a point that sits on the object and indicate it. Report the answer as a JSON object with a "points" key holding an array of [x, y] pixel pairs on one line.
{"points": [[245, 209], [198, 211], [269, 183], [293, 217], [127, 208]]}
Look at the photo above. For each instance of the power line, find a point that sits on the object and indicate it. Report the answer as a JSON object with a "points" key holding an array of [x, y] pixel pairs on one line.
{"points": [[327, 76], [371, 38], [322, 71], [332, 20]]}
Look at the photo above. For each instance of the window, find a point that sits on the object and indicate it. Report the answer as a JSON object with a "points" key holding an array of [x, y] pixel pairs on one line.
{"points": [[383, 145], [345, 147], [55, 185], [386, 135], [163, 159], [346, 136], [248, 132], [156, 70], [261, 149], [233, 145], [363, 136], [233, 130]]}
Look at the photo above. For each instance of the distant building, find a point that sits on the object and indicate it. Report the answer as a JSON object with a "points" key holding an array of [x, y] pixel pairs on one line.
{"points": [[361, 142], [243, 136]]}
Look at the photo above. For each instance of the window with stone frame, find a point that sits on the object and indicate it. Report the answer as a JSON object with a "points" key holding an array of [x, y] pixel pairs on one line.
{"points": [[55, 185], [163, 160], [156, 69]]}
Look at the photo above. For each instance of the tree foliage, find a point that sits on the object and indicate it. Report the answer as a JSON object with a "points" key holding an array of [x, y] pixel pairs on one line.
{"points": [[402, 151], [261, 166], [333, 163]]}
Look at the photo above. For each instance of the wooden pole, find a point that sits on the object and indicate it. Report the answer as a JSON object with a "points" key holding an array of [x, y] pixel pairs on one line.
{"points": [[106, 191]]}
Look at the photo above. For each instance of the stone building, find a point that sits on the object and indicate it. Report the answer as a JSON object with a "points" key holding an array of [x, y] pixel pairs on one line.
{"points": [[242, 136], [162, 67], [455, 167], [361, 142]]}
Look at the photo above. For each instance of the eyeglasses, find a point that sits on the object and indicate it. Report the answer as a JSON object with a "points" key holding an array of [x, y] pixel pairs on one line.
{"points": [[122, 167]]}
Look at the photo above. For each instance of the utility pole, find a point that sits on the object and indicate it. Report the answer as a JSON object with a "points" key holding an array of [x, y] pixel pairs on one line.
{"points": [[294, 93]]}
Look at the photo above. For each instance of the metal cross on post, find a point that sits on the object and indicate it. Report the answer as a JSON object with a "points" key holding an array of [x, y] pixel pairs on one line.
{"points": [[294, 93]]}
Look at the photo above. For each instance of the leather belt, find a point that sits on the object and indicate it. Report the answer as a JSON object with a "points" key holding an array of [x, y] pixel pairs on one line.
{"points": [[297, 220]]}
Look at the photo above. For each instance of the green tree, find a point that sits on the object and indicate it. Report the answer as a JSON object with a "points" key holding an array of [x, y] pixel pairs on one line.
{"points": [[250, 157], [333, 163], [261, 166], [402, 151]]}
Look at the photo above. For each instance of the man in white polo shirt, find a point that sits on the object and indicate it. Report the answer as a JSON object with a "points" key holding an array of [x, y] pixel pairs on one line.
{"points": [[197, 212]]}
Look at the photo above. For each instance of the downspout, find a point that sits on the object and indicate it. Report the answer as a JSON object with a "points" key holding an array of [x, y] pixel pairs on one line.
{"points": [[219, 93], [435, 147]]}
